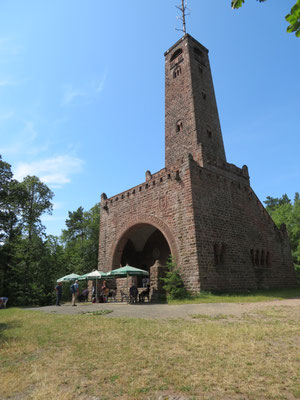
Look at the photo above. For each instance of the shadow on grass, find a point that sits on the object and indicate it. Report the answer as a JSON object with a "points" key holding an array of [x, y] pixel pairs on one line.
{"points": [[7, 326]]}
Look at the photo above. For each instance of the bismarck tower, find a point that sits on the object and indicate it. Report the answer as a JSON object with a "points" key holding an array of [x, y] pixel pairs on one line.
{"points": [[199, 208]]}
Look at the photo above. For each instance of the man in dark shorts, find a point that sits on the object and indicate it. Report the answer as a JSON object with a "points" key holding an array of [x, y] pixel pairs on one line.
{"points": [[58, 289]]}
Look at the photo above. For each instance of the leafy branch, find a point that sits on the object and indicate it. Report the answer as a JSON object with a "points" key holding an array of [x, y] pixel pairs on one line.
{"points": [[293, 18]]}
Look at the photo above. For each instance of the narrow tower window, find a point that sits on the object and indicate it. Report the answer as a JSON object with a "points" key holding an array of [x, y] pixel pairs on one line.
{"points": [[179, 126], [177, 72], [257, 257], [262, 258]]}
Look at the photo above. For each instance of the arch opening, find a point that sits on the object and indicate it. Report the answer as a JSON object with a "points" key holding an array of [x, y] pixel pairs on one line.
{"points": [[141, 246]]}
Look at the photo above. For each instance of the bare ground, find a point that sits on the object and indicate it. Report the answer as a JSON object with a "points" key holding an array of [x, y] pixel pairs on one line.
{"points": [[164, 311]]}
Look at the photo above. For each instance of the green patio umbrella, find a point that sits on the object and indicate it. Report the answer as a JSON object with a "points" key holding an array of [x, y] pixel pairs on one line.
{"points": [[126, 271], [67, 278]]}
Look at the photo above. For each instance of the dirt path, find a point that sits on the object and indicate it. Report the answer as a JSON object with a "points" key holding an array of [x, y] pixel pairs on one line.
{"points": [[164, 311]]}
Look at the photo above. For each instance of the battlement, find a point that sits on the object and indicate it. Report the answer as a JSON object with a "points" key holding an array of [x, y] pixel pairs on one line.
{"points": [[151, 181]]}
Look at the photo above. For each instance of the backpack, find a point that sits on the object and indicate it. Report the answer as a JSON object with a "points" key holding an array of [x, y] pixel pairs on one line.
{"points": [[72, 288]]}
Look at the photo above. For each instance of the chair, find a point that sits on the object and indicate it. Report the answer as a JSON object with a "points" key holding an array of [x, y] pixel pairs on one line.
{"points": [[112, 294], [124, 296]]}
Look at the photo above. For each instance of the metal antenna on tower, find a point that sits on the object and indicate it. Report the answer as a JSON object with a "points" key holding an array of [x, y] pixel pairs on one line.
{"points": [[183, 8]]}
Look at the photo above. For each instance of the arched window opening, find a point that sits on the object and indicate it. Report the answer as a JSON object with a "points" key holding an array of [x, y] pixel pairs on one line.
{"points": [[176, 54], [219, 252]]}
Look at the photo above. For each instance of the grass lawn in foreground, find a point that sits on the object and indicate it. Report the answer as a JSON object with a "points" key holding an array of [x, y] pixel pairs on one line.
{"points": [[250, 297], [47, 356]]}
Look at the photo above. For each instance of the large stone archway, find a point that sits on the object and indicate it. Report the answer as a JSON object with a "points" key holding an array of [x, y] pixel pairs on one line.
{"points": [[141, 242]]}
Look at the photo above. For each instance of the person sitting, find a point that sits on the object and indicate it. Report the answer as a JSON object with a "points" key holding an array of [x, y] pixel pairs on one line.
{"points": [[105, 294], [133, 293], [84, 295], [144, 294]]}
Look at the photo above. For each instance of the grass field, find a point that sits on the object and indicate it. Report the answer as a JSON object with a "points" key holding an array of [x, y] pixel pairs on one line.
{"points": [[46, 356], [250, 297]]}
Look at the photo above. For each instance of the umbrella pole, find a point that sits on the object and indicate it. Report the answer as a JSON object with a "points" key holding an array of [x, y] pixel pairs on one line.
{"points": [[96, 291], [128, 300]]}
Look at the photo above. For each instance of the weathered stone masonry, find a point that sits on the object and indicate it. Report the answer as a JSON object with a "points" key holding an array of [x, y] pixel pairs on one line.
{"points": [[199, 208]]}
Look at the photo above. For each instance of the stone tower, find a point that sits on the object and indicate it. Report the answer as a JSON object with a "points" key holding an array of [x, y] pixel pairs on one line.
{"points": [[199, 208], [192, 121]]}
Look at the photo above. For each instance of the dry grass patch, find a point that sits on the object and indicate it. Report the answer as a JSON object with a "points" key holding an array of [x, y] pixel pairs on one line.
{"points": [[60, 357]]}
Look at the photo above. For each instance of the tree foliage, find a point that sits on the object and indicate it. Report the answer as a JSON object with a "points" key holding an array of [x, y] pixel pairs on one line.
{"points": [[80, 240], [283, 210], [173, 283], [31, 261], [293, 18]]}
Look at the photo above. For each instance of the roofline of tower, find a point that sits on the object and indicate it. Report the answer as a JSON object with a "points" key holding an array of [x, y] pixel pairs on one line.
{"points": [[182, 39]]}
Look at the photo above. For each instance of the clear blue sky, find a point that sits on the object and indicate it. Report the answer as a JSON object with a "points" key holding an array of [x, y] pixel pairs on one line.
{"points": [[82, 92]]}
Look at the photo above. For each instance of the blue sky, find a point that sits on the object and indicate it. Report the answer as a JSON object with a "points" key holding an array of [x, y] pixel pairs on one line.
{"points": [[82, 92]]}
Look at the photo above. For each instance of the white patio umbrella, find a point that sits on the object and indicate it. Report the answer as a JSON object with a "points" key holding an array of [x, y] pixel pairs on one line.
{"points": [[93, 275], [67, 278]]}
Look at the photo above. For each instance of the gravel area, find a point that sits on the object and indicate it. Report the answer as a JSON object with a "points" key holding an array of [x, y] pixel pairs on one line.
{"points": [[164, 311]]}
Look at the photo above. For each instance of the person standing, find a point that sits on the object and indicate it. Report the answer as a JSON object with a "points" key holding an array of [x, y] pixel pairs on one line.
{"points": [[74, 290], [133, 292], [3, 301], [58, 289]]}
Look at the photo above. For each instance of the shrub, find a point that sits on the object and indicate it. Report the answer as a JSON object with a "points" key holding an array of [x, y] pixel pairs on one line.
{"points": [[173, 283]]}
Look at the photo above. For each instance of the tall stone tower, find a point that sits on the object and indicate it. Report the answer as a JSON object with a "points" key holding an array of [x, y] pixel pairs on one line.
{"points": [[199, 208], [192, 121]]}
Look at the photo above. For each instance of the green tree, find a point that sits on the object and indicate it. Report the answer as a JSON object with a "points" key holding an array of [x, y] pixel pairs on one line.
{"points": [[80, 240], [282, 210], [36, 202], [76, 225], [173, 283], [293, 18], [31, 273], [26, 267], [11, 202]]}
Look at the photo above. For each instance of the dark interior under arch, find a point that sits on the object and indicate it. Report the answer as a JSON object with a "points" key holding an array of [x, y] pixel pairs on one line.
{"points": [[144, 246]]}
